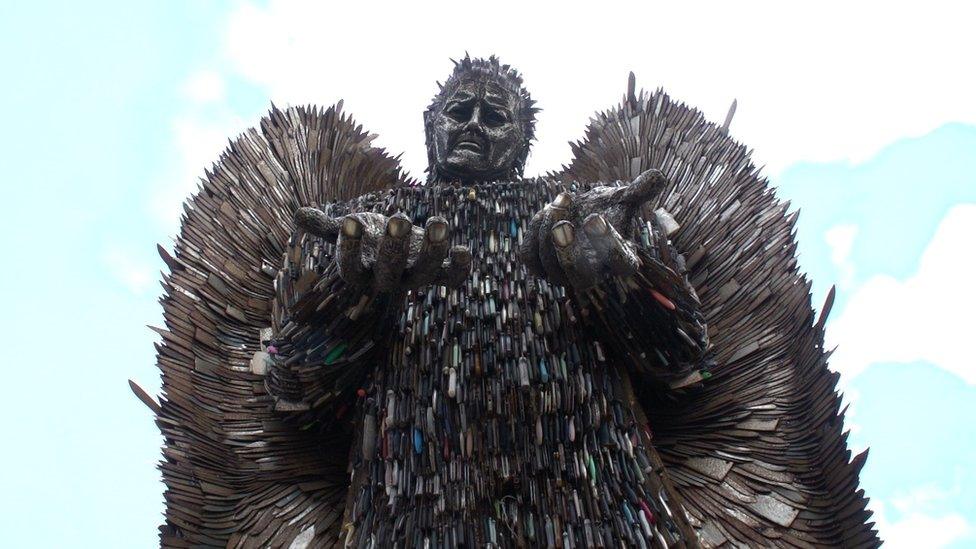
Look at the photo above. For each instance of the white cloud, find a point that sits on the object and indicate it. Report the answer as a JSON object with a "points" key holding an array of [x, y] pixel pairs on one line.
{"points": [[918, 525], [920, 530], [204, 86], [199, 136], [840, 238], [921, 498], [134, 275], [926, 317], [812, 84]]}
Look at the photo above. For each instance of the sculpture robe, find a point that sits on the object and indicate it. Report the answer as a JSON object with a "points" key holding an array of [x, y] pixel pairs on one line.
{"points": [[500, 411]]}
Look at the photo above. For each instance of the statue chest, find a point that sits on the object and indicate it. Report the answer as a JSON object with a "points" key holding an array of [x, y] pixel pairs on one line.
{"points": [[493, 369], [493, 400], [506, 436]]}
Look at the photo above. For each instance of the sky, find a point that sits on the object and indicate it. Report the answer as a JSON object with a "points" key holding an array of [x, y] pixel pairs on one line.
{"points": [[862, 115]]}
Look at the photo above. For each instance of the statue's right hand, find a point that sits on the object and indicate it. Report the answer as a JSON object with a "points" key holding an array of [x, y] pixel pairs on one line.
{"points": [[390, 254]]}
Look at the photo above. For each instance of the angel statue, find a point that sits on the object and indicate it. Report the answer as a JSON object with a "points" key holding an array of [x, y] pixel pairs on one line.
{"points": [[619, 353]]}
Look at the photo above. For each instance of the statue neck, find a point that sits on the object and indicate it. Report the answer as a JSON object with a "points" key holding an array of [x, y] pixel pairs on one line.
{"points": [[436, 175]]}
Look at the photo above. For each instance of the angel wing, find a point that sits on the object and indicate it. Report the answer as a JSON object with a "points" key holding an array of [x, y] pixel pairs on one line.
{"points": [[236, 474], [758, 453]]}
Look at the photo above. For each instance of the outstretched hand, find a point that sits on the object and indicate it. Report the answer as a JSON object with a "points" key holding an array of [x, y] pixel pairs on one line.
{"points": [[389, 254], [578, 240]]}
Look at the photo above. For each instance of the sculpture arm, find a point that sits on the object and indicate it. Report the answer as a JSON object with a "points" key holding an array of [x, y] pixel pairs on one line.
{"points": [[653, 319], [343, 281], [324, 332], [623, 271]]}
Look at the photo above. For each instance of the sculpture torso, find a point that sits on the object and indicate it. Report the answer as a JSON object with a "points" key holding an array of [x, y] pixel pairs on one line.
{"points": [[494, 416]]}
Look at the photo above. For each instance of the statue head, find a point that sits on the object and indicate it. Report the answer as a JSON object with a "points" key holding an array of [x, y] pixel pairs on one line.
{"points": [[480, 124]]}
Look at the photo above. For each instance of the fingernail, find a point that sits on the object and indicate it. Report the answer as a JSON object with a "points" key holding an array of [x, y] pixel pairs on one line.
{"points": [[563, 234], [398, 226], [437, 231], [461, 255], [351, 227], [563, 200], [596, 225]]}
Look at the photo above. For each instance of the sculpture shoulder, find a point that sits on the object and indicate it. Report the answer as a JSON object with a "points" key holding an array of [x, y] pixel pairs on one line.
{"points": [[529, 184], [328, 153], [648, 130]]}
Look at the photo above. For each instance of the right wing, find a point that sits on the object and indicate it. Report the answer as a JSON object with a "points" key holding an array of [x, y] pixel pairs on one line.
{"points": [[758, 453], [236, 474]]}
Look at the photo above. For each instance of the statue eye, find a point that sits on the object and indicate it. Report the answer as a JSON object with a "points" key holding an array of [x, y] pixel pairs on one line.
{"points": [[459, 112], [495, 118]]}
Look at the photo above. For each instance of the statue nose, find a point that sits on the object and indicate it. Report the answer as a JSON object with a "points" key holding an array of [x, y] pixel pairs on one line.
{"points": [[475, 120]]}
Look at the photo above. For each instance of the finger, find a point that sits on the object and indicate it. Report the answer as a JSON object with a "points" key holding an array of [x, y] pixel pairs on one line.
{"points": [[315, 222], [555, 212], [598, 234], [645, 188], [350, 253], [529, 249], [457, 269], [431, 256], [610, 249], [573, 261], [392, 253]]}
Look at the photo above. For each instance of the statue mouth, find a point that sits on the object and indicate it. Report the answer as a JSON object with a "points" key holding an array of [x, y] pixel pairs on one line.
{"points": [[470, 143]]}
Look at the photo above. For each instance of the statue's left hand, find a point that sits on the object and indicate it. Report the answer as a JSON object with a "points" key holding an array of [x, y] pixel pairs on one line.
{"points": [[578, 240]]}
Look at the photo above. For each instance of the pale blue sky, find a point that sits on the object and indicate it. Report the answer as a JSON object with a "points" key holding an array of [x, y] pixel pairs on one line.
{"points": [[915, 416], [114, 107]]}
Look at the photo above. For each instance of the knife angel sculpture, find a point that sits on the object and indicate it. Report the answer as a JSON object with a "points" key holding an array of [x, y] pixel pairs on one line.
{"points": [[621, 352]]}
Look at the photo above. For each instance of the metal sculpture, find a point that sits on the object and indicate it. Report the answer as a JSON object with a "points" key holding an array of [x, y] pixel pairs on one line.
{"points": [[604, 356]]}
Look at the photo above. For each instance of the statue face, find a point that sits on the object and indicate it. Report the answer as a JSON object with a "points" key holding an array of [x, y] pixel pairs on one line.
{"points": [[477, 135]]}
